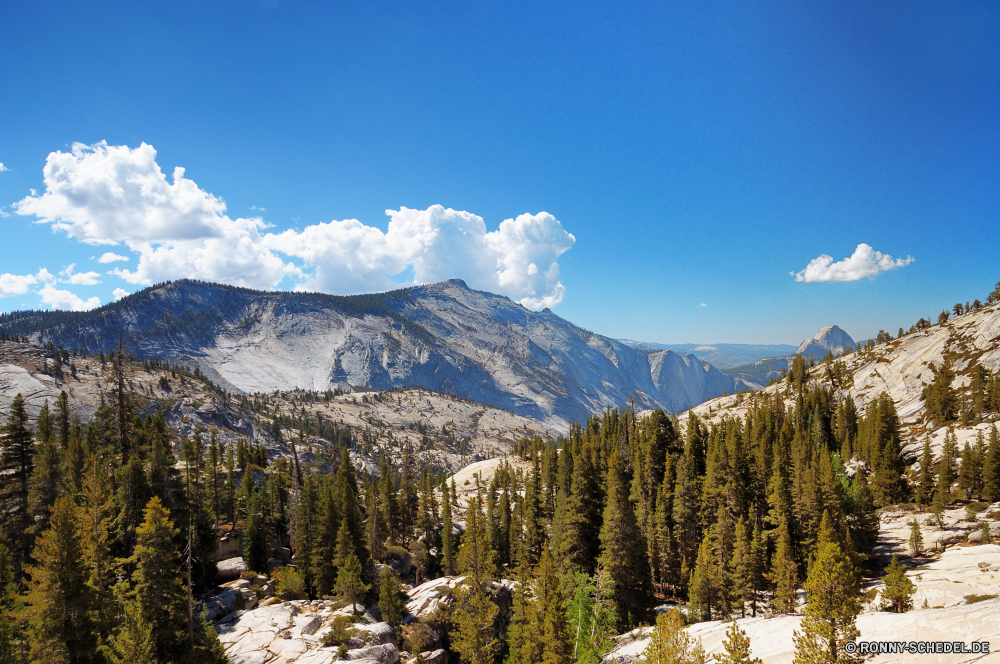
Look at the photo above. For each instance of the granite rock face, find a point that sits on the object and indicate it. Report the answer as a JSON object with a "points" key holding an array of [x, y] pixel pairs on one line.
{"points": [[444, 337]]}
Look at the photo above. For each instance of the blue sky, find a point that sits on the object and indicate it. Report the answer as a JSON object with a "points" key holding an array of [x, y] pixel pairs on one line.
{"points": [[684, 155]]}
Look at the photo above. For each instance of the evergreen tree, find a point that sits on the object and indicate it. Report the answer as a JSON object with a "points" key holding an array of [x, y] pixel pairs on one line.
{"points": [[447, 537], [592, 624], [898, 590], [784, 572], [925, 485], [670, 644], [133, 643], [12, 645], [350, 584], [475, 613], [47, 476], [736, 647], [18, 463], [255, 534], [59, 598], [391, 600], [705, 593], [991, 467], [324, 549], [832, 606], [623, 551], [916, 539], [157, 581], [578, 545]]}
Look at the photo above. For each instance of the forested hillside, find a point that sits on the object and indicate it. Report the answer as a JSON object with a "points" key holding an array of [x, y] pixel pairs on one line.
{"points": [[110, 529]]}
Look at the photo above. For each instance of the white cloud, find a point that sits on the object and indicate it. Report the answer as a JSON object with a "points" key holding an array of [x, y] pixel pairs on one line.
{"points": [[65, 300], [104, 194], [517, 260], [259, 209], [864, 262], [119, 293], [81, 278], [702, 305], [15, 284], [3, 169], [111, 257]]}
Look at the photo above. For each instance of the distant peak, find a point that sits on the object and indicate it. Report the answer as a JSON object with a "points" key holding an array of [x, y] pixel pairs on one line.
{"points": [[459, 282]]}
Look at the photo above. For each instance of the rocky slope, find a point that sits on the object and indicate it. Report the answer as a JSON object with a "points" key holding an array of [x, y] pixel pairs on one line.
{"points": [[443, 337], [444, 431], [901, 368]]}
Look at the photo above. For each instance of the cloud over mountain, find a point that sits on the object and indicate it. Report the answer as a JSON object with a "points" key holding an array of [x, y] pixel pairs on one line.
{"points": [[864, 262], [116, 195]]}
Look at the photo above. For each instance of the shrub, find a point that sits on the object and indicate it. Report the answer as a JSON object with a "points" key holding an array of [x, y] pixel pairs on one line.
{"points": [[972, 599], [289, 584], [340, 631]]}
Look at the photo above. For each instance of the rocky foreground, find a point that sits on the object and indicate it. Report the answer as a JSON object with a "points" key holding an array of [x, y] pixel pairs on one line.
{"points": [[957, 599]]}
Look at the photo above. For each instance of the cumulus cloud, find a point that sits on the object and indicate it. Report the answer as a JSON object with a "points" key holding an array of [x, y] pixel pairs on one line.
{"points": [[104, 194], [3, 169], [15, 284], [119, 293], [80, 278], [111, 257], [517, 260], [65, 300], [864, 262]]}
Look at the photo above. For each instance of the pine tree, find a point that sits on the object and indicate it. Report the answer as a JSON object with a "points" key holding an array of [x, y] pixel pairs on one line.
{"points": [[47, 476], [784, 572], [832, 606], [255, 534], [133, 643], [97, 524], [623, 551], [475, 613], [157, 581], [350, 584], [324, 549], [705, 593], [18, 464], [925, 485], [12, 643], [391, 600], [898, 590], [592, 624], [991, 467], [447, 537], [59, 599], [670, 644], [916, 539], [736, 647], [578, 545]]}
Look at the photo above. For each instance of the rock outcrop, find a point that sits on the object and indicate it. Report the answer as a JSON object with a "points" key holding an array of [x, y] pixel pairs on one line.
{"points": [[830, 339]]}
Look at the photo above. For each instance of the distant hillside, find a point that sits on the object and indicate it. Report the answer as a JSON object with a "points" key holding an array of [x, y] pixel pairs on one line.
{"points": [[719, 355], [443, 337]]}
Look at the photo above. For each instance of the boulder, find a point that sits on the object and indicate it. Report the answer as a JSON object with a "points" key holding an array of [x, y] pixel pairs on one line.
{"points": [[439, 656], [227, 570], [381, 630]]}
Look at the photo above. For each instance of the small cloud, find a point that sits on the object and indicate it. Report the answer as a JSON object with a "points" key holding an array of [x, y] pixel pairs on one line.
{"points": [[15, 284], [65, 300], [119, 293], [864, 262], [79, 279], [3, 212], [702, 305], [259, 209], [3, 169], [111, 257]]}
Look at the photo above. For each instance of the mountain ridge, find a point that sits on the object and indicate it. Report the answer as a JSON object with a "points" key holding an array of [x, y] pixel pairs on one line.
{"points": [[445, 337]]}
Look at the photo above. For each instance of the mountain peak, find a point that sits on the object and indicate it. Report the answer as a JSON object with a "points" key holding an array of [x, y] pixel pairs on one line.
{"points": [[830, 339]]}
